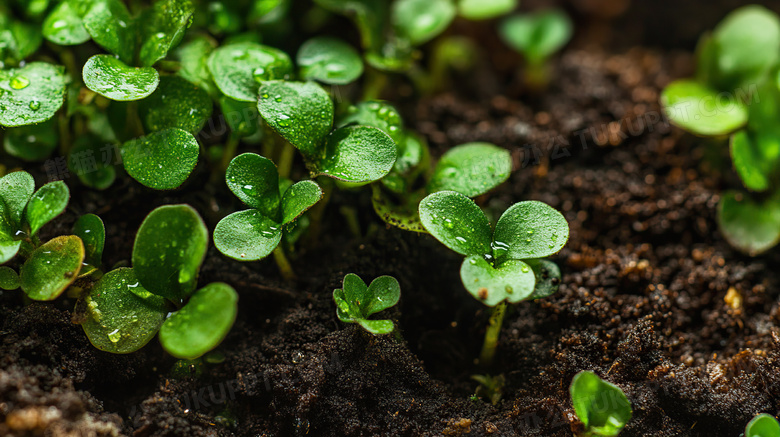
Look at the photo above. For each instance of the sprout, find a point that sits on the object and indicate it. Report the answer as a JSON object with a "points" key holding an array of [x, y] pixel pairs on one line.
{"points": [[602, 407], [501, 265], [49, 268], [252, 234], [763, 425], [356, 301]]}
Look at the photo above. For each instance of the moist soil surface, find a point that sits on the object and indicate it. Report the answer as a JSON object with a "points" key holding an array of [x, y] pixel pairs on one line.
{"points": [[652, 298]]}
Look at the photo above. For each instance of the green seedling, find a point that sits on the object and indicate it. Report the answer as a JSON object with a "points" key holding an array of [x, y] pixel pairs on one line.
{"points": [[735, 94], [329, 60], [537, 36], [356, 301], [302, 114], [128, 306], [502, 264], [485, 9], [253, 234], [48, 268], [92, 232], [763, 425], [601, 406]]}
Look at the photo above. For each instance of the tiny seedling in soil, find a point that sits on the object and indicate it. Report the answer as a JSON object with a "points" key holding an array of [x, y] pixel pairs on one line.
{"points": [[254, 233], [356, 301], [502, 264], [602, 407], [763, 425], [128, 306], [48, 268]]}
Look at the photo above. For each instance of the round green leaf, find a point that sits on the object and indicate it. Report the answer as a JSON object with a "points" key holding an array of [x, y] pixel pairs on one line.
{"points": [[202, 324], [92, 232], [471, 169], [162, 160], [763, 425], [422, 20], [92, 160], [602, 407], [110, 25], [329, 60], [33, 142], [169, 248], [755, 157], [31, 94], [379, 114], [8, 247], [247, 235], [48, 202], [162, 27], [299, 198], [9, 279], [548, 277], [239, 69], [16, 188], [537, 35], [255, 181], [357, 154], [175, 103], [193, 57], [377, 327], [750, 226], [383, 293], [702, 110], [112, 78], [64, 26], [52, 267], [402, 215], [121, 315], [302, 113], [485, 9], [457, 222], [512, 280], [529, 229]]}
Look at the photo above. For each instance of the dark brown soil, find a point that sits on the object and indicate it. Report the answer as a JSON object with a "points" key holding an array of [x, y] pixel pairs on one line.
{"points": [[652, 298]]}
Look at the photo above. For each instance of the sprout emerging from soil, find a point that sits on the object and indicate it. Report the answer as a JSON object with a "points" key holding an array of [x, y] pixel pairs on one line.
{"points": [[763, 425], [601, 406], [356, 301], [502, 264]]}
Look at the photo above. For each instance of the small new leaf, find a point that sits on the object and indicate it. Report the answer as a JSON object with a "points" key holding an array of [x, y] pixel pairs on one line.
{"points": [[601, 406], [162, 160], [763, 425], [48, 202], [702, 110], [457, 222], [51, 268], [472, 169], [355, 302], [751, 226]]}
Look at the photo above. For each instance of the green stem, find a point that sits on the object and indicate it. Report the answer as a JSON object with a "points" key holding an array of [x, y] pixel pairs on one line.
{"points": [[134, 126], [268, 148], [491, 335], [286, 158], [318, 211], [284, 265], [375, 83], [230, 150], [63, 125], [351, 216]]}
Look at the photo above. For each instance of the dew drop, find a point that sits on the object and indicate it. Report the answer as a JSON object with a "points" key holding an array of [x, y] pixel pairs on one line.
{"points": [[35, 105], [259, 75], [114, 335], [524, 269], [19, 82], [284, 120], [508, 289]]}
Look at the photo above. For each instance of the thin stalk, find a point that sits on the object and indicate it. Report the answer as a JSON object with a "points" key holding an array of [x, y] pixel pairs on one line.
{"points": [[63, 125], [318, 211], [269, 146], [230, 150], [134, 126], [374, 84], [286, 158], [491, 335], [284, 265]]}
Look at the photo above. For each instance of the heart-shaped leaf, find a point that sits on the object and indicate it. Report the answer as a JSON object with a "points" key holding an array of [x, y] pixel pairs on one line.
{"points": [[529, 229], [247, 235], [175, 103], [16, 188], [9, 279], [485, 9], [755, 157], [239, 69], [602, 407], [329, 60], [422, 20], [169, 248], [357, 154], [457, 222], [299, 198], [202, 324], [162, 27], [64, 26], [112, 78], [33, 142], [92, 232], [402, 214], [750, 226], [302, 113], [52, 267], [31, 94], [471, 169], [121, 315], [513, 280], [548, 277], [193, 57], [378, 114], [537, 35], [110, 25], [48, 202], [702, 110], [255, 181], [162, 160]]}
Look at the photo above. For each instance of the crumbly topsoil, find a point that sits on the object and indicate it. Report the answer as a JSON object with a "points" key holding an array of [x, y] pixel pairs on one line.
{"points": [[651, 298]]}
